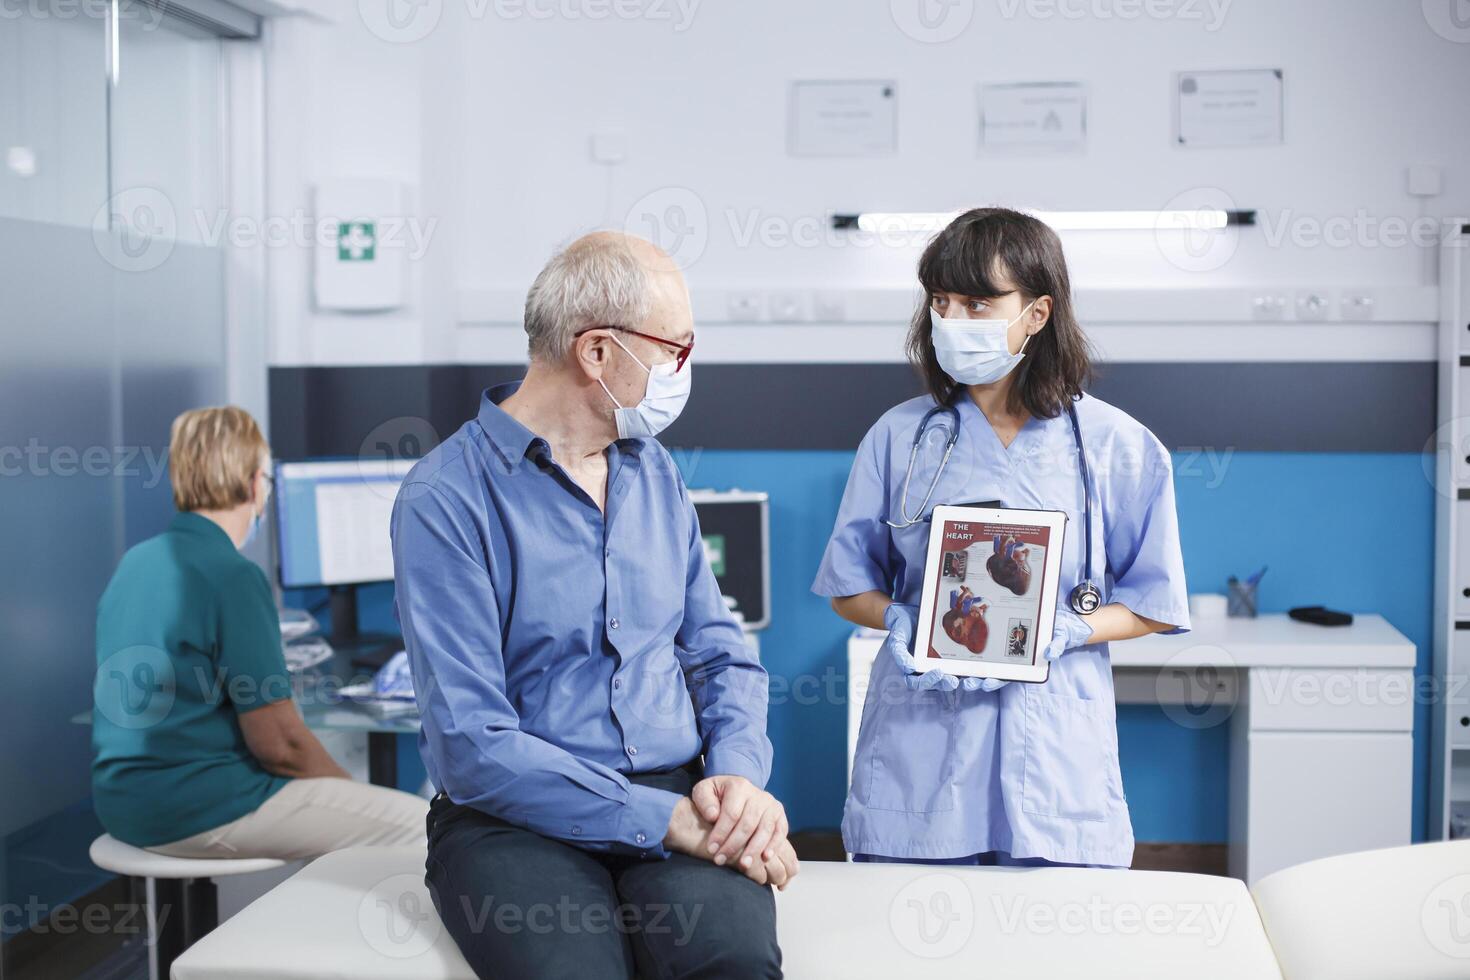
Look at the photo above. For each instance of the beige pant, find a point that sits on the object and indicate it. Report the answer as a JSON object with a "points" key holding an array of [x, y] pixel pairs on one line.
{"points": [[307, 818]]}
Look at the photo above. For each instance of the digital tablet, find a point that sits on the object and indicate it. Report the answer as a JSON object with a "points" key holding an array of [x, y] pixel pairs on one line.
{"points": [[990, 592]]}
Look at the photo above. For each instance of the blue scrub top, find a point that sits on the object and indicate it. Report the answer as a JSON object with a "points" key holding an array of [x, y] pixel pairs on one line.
{"points": [[1030, 769]]}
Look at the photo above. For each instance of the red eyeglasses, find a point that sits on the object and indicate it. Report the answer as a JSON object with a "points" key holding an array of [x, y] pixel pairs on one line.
{"points": [[682, 351]]}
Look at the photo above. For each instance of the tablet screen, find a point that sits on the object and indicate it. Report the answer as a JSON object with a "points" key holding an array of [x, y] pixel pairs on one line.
{"points": [[987, 595]]}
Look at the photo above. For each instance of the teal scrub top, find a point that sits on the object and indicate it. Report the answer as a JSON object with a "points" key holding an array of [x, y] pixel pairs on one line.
{"points": [[188, 638]]}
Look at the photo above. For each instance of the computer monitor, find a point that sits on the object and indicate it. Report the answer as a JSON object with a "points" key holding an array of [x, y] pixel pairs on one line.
{"points": [[735, 526], [332, 521]]}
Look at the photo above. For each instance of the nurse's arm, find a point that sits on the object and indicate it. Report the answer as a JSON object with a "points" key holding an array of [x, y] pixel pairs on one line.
{"points": [[1116, 621], [864, 609], [284, 746]]}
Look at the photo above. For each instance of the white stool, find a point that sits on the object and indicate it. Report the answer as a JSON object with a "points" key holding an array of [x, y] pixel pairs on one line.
{"points": [[182, 902]]}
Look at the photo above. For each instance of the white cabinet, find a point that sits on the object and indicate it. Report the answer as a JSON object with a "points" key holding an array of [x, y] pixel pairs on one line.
{"points": [[1322, 764], [1337, 699], [1307, 795], [862, 649]]}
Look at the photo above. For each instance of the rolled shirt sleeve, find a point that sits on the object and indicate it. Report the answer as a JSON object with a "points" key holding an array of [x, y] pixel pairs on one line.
{"points": [[1143, 550], [450, 616], [729, 686]]}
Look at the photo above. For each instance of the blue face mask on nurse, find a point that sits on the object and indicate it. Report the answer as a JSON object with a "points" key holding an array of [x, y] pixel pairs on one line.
{"points": [[981, 771]]}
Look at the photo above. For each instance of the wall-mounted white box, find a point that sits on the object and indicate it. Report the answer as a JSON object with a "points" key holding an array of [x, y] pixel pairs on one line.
{"points": [[361, 249]]}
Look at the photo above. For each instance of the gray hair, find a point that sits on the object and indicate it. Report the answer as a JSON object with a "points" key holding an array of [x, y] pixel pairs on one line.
{"points": [[595, 281]]}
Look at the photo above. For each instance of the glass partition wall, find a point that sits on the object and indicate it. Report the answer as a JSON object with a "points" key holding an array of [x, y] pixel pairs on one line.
{"points": [[111, 322]]}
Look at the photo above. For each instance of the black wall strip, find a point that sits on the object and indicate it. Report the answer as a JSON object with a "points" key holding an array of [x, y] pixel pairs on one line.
{"points": [[1250, 407]]}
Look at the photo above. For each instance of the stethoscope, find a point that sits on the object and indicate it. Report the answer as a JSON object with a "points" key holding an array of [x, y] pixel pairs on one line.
{"points": [[1085, 597]]}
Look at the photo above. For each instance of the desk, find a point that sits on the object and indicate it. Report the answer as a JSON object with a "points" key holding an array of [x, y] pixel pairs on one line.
{"points": [[324, 711], [1321, 726]]}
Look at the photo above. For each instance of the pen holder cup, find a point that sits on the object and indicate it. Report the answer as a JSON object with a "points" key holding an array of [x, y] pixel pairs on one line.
{"points": [[1240, 602]]}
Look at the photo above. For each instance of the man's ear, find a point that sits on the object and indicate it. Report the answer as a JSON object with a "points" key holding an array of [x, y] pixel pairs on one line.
{"points": [[591, 352]]}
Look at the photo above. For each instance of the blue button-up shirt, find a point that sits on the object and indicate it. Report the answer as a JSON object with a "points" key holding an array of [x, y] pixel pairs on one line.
{"points": [[557, 648]]}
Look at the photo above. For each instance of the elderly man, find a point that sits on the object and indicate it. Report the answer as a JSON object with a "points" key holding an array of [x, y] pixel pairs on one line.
{"points": [[592, 716]]}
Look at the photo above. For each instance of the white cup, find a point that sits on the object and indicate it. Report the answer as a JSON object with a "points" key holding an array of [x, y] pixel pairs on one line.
{"points": [[1207, 605]]}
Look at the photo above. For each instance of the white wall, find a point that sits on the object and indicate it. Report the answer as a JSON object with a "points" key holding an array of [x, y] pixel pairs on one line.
{"points": [[339, 103], [491, 115]]}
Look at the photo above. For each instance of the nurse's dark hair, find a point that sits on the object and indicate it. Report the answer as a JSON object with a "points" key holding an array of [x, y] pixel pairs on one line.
{"points": [[985, 253]]}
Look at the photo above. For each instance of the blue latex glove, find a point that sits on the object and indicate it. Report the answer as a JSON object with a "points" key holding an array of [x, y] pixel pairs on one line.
{"points": [[394, 678], [901, 620], [1071, 631]]}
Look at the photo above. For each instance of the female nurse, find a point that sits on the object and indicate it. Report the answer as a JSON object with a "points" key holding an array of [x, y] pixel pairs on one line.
{"points": [[985, 771]]}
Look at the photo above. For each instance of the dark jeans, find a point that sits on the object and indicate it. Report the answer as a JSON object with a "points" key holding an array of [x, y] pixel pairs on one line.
{"points": [[522, 905]]}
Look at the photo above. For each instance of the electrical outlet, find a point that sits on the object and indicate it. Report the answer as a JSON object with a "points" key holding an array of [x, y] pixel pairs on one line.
{"points": [[789, 307], [1269, 306], [1313, 305], [610, 147], [1425, 180], [1357, 306], [829, 307], [747, 307]]}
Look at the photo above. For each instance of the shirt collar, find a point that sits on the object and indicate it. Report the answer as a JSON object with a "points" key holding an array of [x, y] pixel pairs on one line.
{"points": [[513, 441], [510, 439], [197, 524]]}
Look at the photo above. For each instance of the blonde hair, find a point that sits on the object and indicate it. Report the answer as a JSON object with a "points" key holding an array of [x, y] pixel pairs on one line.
{"points": [[213, 456]]}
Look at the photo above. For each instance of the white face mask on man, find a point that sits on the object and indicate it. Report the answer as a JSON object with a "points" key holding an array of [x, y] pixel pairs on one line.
{"points": [[663, 399], [975, 352]]}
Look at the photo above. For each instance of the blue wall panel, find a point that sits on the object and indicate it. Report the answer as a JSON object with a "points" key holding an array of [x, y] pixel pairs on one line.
{"points": [[1314, 518], [1311, 517]]}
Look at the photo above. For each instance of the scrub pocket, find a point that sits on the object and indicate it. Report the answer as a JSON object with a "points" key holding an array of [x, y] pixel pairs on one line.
{"points": [[909, 764], [1070, 761]]}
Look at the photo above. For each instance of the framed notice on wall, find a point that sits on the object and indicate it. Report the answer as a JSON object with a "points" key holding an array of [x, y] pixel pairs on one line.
{"points": [[1035, 116], [843, 119], [1229, 108]]}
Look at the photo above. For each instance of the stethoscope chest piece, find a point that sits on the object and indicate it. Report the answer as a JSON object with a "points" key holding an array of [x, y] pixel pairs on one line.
{"points": [[1085, 598]]}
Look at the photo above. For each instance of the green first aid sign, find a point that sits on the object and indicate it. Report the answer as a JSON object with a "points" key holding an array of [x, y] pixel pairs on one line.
{"points": [[356, 241], [714, 550]]}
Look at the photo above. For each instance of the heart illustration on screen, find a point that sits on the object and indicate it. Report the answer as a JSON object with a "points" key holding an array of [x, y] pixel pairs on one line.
{"points": [[1008, 565]]}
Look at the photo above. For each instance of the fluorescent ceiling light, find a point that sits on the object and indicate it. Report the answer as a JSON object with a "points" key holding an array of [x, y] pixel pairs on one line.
{"points": [[1200, 219]]}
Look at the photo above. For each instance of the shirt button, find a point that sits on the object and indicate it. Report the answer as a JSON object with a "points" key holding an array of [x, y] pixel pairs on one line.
{"points": [[614, 623], [607, 552], [632, 750], [640, 838], [617, 683], [576, 831]]}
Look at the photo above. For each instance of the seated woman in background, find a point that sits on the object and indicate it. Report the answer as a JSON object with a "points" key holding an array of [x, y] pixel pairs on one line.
{"points": [[199, 750]]}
